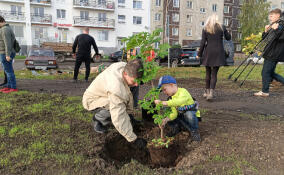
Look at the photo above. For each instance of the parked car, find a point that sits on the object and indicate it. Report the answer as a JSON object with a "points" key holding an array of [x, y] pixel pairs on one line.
{"points": [[117, 56], [181, 57], [41, 58]]}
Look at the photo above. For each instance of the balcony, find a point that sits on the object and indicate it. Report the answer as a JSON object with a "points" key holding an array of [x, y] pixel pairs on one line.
{"points": [[41, 2], [94, 22], [91, 4], [13, 16], [13, 1], [41, 19]]}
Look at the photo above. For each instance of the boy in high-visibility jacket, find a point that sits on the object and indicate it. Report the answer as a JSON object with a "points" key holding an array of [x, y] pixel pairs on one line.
{"points": [[184, 108]]}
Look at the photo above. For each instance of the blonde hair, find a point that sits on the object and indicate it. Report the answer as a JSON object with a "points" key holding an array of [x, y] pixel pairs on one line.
{"points": [[212, 24]]}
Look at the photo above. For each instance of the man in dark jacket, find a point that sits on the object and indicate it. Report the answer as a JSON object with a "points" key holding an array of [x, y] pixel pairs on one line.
{"points": [[273, 53], [84, 42]]}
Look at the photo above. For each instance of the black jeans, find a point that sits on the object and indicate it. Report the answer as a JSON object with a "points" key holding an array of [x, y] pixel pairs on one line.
{"points": [[79, 60], [211, 77], [135, 93], [268, 74]]}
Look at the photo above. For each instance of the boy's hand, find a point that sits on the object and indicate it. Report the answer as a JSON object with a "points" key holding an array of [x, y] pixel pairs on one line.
{"points": [[157, 101], [163, 124]]}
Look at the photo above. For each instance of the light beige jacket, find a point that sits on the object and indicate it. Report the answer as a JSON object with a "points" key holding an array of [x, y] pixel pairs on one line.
{"points": [[109, 90]]}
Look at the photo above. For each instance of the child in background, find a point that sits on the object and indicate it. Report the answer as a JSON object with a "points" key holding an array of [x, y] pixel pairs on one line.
{"points": [[184, 109]]}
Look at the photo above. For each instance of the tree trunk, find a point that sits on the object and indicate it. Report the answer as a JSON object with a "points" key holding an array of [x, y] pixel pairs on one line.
{"points": [[162, 133]]}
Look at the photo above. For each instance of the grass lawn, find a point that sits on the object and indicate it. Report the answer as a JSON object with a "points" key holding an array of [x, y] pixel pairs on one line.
{"points": [[20, 57], [180, 72]]}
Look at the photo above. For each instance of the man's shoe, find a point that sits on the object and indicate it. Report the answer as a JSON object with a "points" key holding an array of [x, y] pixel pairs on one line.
{"points": [[261, 94], [4, 89], [10, 90], [99, 128], [195, 136]]}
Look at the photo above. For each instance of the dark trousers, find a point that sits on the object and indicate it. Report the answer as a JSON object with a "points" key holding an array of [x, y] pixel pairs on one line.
{"points": [[268, 74], [211, 77], [187, 120], [5, 80], [135, 93], [79, 60]]}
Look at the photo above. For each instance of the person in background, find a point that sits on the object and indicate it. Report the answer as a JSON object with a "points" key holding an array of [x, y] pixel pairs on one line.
{"points": [[7, 54], [84, 42], [212, 52]]}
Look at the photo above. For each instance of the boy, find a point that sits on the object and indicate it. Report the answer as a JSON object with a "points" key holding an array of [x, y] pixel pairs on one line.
{"points": [[180, 100]]}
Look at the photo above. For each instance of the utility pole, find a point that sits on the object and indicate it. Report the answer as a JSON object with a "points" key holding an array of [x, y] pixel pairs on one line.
{"points": [[167, 27]]}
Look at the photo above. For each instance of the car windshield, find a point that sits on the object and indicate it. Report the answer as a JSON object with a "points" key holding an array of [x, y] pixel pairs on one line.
{"points": [[192, 53], [46, 53]]}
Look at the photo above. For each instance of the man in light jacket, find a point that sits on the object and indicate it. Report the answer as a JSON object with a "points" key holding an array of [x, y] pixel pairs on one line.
{"points": [[110, 98]]}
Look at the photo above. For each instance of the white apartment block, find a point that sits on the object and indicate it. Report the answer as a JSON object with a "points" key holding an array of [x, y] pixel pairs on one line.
{"points": [[37, 21]]}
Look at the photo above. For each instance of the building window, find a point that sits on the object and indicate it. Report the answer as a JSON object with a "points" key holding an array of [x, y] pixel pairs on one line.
{"points": [[61, 13], [137, 4], [121, 3], [190, 4], [84, 15], [176, 3], [239, 35], [102, 17], [189, 18], [202, 10], [158, 2], [40, 32], [137, 20], [121, 18], [103, 35], [241, 2], [157, 44], [226, 9], [189, 32], [214, 7], [16, 10], [202, 23], [238, 47], [175, 17], [226, 21], [175, 31], [39, 11], [157, 17], [18, 30]]}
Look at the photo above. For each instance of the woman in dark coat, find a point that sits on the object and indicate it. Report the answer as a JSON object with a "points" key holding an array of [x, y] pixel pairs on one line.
{"points": [[212, 52]]}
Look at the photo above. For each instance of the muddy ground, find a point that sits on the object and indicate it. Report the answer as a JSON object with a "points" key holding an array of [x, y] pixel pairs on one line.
{"points": [[241, 134]]}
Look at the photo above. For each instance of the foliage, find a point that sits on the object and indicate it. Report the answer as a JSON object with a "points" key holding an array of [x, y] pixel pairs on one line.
{"points": [[253, 17], [162, 142], [252, 40], [145, 42]]}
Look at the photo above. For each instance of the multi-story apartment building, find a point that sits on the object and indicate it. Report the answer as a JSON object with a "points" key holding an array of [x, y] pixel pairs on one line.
{"points": [[37, 21], [230, 20], [183, 20]]}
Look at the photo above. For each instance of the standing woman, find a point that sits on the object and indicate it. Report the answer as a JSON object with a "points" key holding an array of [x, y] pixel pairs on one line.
{"points": [[212, 52]]}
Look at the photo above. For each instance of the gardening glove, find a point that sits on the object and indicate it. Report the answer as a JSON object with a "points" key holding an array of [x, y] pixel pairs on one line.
{"points": [[140, 143]]}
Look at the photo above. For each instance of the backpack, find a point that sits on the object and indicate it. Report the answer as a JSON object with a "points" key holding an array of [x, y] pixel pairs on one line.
{"points": [[17, 46]]}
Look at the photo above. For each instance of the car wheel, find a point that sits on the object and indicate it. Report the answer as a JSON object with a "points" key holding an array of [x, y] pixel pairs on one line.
{"points": [[175, 63], [60, 58]]}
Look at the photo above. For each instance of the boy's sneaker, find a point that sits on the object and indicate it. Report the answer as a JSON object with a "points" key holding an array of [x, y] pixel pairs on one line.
{"points": [[195, 136], [4, 89], [99, 128], [261, 94], [10, 90]]}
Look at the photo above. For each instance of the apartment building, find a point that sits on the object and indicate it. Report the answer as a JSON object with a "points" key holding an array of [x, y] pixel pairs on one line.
{"points": [[183, 20], [37, 21]]}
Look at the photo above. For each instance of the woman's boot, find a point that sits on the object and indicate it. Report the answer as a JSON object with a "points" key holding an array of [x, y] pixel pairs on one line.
{"points": [[206, 93], [210, 95]]}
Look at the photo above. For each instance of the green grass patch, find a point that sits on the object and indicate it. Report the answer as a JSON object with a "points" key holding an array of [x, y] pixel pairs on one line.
{"points": [[20, 57]]}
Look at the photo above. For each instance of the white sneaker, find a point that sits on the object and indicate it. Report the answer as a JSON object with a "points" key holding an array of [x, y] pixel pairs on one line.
{"points": [[261, 94]]}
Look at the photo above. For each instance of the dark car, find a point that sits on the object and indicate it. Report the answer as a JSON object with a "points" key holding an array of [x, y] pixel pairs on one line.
{"points": [[188, 57], [117, 56], [181, 57], [41, 58]]}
